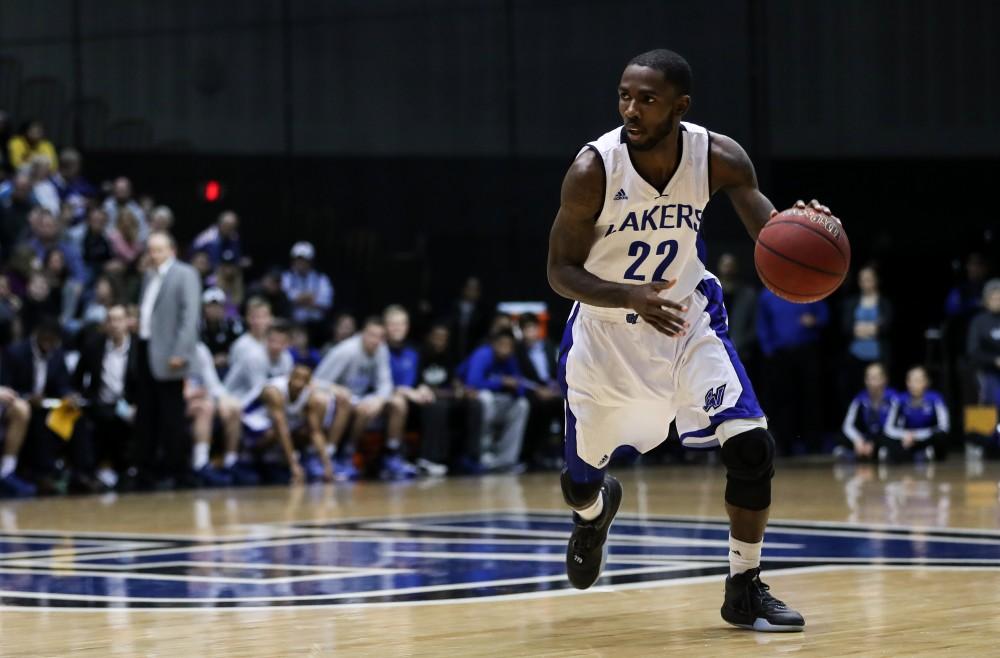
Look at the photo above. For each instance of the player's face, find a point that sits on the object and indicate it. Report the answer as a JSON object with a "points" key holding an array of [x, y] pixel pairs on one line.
{"points": [[397, 326], [503, 348], [298, 380], [372, 337], [875, 379], [916, 382], [277, 342], [649, 106]]}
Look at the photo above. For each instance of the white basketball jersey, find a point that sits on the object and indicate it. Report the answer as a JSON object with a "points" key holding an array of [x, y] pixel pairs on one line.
{"points": [[644, 234], [295, 410]]}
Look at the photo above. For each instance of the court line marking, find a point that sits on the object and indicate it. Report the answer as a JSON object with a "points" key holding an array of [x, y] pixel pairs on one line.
{"points": [[347, 595], [69, 572], [601, 590]]}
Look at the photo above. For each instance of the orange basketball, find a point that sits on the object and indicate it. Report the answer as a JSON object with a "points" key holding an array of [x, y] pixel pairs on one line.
{"points": [[802, 255]]}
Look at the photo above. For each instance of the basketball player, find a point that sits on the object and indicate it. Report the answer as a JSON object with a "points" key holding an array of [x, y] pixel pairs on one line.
{"points": [[299, 413], [647, 341]]}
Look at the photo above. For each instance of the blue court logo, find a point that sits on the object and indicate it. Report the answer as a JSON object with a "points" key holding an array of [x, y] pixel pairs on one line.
{"points": [[431, 558], [713, 398]]}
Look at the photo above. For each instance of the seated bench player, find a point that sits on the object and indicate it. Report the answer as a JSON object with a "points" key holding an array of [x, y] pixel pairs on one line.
{"points": [[865, 418], [295, 413], [918, 422]]}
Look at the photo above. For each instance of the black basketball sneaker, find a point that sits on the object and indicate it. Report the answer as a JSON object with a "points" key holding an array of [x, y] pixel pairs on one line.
{"points": [[750, 605], [587, 551]]}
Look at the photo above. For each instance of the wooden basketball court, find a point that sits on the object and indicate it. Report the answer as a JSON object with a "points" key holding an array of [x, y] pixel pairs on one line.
{"points": [[899, 561]]}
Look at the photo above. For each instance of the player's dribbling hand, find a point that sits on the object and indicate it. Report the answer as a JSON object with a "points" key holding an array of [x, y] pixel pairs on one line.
{"points": [[813, 205], [664, 315]]}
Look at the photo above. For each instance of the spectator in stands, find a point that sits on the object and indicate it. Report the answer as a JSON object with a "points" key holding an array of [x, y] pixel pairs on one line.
{"points": [[16, 204], [228, 277], [45, 236], [29, 142], [75, 191], [221, 241], [15, 415], [61, 285], [95, 248], [918, 423], [470, 317], [218, 332], [120, 201], [789, 337], [300, 348], [361, 365], [36, 369], [10, 307], [461, 408], [310, 291], [161, 219], [536, 357], [105, 377], [864, 423], [983, 348], [203, 265], [741, 306], [343, 327], [170, 309], [258, 321], [404, 363], [39, 302], [251, 368], [126, 239], [966, 298], [102, 297], [269, 289], [866, 319], [45, 192], [492, 371]]}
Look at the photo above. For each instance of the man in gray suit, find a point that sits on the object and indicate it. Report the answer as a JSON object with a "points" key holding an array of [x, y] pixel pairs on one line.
{"points": [[169, 315]]}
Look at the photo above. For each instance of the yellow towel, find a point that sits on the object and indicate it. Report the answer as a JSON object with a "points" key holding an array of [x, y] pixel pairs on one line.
{"points": [[62, 420]]}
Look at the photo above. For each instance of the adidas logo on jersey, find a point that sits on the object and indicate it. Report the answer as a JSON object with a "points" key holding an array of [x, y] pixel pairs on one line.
{"points": [[621, 196]]}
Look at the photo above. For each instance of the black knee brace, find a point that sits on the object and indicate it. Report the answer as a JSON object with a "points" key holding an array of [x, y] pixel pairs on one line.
{"points": [[749, 460], [579, 495]]}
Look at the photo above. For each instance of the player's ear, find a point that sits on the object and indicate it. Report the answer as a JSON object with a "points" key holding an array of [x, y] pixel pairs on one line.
{"points": [[681, 105]]}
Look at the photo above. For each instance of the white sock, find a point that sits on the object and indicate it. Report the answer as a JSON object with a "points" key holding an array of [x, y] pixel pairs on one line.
{"points": [[330, 449], [594, 511], [200, 457], [393, 444], [8, 465], [229, 459], [108, 477], [743, 556]]}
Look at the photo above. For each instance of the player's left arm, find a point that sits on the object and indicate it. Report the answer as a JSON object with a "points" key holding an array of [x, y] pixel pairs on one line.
{"points": [[731, 171]]}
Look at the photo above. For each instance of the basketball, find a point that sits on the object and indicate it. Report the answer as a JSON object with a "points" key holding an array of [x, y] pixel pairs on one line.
{"points": [[802, 255]]}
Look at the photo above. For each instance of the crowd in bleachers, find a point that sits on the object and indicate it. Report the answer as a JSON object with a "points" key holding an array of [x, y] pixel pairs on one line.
{"points": [[289, 386], [286, 386]]}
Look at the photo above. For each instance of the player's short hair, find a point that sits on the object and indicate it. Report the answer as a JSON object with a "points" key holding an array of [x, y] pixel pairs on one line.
{"points": [[527, 319], [279, 326], [674, 68], [502, 333], [394, 309], [255, 303], [372, 320]]}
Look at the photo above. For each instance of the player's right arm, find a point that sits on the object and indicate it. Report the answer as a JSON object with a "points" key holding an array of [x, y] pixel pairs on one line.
{"points": [[275, 405], [571, 239]]}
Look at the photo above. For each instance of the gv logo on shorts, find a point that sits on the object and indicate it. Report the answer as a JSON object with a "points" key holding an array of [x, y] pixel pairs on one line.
{"points": [[713, 398], [632, 318]]}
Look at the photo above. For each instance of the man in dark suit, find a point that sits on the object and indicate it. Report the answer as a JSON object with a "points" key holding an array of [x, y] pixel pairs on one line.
{"points": [[536, 357], [36, 369], [169, 315], [106, 377]]}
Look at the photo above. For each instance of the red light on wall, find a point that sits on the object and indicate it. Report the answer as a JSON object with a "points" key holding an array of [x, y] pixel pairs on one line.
{"points": [[213, 191]]}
